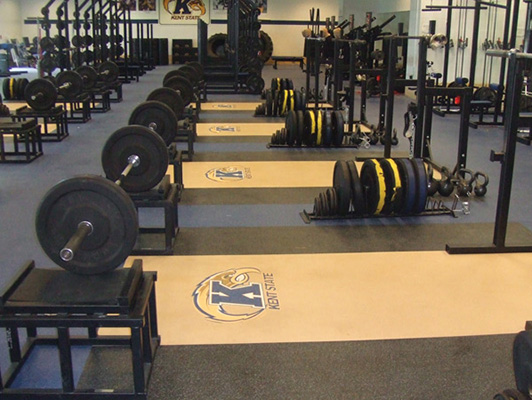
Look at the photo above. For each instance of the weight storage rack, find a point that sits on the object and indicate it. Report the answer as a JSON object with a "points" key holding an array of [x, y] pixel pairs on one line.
{"points": [[54, 298], [56, 115], [432, 208]]}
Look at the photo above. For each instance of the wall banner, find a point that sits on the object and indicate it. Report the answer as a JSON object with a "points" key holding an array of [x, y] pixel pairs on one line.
{"points": [[178, 12]]}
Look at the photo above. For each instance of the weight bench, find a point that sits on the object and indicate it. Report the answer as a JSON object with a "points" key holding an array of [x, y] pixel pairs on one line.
{"points": [[277, 59]]}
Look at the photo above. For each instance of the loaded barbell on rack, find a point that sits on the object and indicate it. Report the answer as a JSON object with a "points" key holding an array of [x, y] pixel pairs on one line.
{"points": [[41, 94], [89, 224]]}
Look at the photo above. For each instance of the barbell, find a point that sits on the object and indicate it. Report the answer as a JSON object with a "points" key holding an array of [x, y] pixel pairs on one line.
{"points": [[89, 224]]}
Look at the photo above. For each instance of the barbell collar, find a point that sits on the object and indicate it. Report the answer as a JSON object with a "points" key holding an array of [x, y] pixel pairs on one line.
{"points": [[68, 252]]}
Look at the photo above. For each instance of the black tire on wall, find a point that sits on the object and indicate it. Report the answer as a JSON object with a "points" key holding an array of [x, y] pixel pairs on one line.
{"points": [[216, 45], [266, 46]]}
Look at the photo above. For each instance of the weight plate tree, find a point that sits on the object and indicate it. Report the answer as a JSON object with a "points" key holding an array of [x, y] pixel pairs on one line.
{"points": [[136, 158], [87, 225]]}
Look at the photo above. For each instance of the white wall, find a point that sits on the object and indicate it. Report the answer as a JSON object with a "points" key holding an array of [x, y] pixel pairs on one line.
{"points": [[287, 39], [457, 27], [10, 20]]}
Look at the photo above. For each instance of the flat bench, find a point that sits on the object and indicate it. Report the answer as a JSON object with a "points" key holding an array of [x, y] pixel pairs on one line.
{"points": [[277, 59]]}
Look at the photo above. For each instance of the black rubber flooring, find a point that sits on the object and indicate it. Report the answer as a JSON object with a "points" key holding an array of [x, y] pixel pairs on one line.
{"points": [[444, 368]]}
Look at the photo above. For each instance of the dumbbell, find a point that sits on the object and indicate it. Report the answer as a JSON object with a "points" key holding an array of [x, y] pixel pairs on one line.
{"points": [[41, 94]]}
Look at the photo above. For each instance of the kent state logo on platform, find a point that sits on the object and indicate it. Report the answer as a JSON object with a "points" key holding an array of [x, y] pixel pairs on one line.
{"points": [[236, 295], [224, 128], [185, 9], [228, 174]]}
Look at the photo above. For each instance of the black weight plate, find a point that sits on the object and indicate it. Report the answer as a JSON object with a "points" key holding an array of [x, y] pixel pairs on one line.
{"points": [[300, 127], [332, 199], [421, 181], [40, 94], [185, 73], [342, 185], [290, 84], [69, 84], [22, 88], [96, 200], [52, 79], [48, 63], [108, 71], [88, 40], [358, 199], [183, 86], [89, 76], [297, 97], [78, 41], [191, 73], [327, 129], [337, 123], [324, 201], [392, 181], [269, 103], [372, 178], [275, 84], [291, 128], [283, 85], [47, 44], [171, 98], [522, 359], [171, 74], [198, 67], [142, 142], [275, 107], [158, 117], [88, 56], [5, 88], [309, 130], [254, 83], [283, 136], [317, 206], [409, 185]]}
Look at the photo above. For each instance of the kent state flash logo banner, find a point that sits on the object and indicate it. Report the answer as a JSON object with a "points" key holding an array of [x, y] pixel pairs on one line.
{"points": [[183, 11], [236, 295]]}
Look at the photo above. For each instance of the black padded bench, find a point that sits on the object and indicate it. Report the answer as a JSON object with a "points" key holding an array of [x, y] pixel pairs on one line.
{"points": [[277, 59]]}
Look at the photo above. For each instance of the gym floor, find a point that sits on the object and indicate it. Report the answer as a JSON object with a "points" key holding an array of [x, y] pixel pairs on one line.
{"points": [[365, 309]]}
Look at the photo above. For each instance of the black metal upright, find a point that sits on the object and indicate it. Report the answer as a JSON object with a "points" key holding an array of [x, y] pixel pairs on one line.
{"points": [[516, 68]]}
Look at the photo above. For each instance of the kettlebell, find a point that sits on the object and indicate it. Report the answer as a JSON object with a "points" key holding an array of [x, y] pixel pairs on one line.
{"points": [[432, 184], [446, 186], [481, 188], [395, 140], [465, 185]]}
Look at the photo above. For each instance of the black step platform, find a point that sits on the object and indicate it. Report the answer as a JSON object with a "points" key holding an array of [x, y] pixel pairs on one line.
{"points": [[52, 298]]}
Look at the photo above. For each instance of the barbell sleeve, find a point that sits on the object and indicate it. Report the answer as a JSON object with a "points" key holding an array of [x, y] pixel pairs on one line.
{"points": [[132, 162], [69, 250]]}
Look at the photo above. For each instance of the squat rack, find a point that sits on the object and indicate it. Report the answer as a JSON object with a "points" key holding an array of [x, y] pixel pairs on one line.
{"points": [[517, 65]]}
